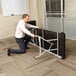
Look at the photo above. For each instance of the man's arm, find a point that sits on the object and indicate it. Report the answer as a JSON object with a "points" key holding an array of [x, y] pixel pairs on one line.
{"points": [[26, 31], [31, 26]]}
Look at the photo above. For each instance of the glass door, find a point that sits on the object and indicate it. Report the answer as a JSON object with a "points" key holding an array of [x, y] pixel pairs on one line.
{"points": [[54, 15]]}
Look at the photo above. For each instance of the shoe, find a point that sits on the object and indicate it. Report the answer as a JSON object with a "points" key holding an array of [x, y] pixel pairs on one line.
{"points": [[8, 52], [27, 47]]}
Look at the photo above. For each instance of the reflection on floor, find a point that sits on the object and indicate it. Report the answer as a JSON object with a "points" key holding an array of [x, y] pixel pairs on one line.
{"points": [[26, 65]]}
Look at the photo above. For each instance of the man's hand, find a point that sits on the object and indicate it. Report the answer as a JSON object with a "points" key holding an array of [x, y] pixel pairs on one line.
{"points": [[33, 36], [37, 27]]}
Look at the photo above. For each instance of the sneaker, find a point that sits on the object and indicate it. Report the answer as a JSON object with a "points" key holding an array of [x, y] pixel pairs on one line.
{"points": [[8, 52]]}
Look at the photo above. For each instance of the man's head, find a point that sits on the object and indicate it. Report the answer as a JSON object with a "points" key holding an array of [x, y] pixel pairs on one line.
{"points": [[25, 17]]}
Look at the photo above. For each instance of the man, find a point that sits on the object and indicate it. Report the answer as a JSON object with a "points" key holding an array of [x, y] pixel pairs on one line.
{"points": [[22, 35]]}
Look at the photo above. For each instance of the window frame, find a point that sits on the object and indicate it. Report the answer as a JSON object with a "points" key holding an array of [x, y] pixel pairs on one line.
{"points": [[50, 7]]}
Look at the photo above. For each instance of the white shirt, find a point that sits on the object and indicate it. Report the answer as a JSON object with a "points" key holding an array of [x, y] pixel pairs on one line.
{"points": [[21, 29]]}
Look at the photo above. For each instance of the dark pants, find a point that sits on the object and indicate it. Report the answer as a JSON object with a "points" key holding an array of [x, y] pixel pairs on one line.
{"points": [[22, 42]]}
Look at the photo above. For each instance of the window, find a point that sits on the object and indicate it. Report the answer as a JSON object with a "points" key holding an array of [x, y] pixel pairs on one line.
{"points": [[53, 8], [13, 7]]}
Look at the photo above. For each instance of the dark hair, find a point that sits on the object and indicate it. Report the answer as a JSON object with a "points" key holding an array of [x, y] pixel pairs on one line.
{"points": [[24, 15]]}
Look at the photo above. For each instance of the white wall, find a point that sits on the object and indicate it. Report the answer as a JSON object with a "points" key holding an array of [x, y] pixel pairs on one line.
{"points": [[70, 8], [70, 28], [7, 25], [15, 7], [70, 19]]}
